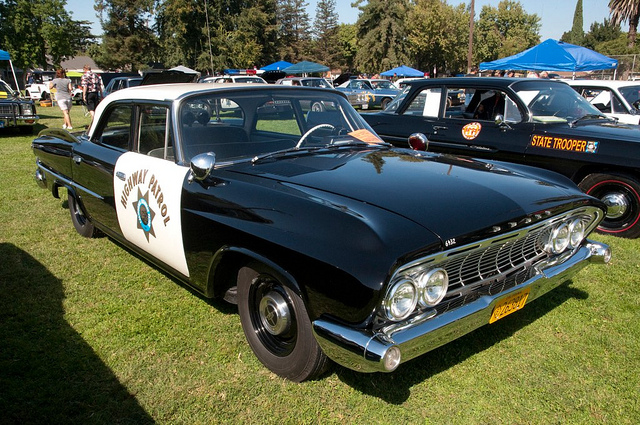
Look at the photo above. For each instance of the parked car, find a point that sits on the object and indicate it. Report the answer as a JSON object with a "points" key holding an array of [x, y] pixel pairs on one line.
{"points": [[378, 93], [119, 83], [16, 112], [313, 225], [537, 122], [38, 89], [616, 99], [357, 100], [247, 79]]}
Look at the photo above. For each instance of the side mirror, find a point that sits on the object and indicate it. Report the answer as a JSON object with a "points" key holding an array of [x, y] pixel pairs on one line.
{"points": [[418, 142], [499, 119], [201, 166]]}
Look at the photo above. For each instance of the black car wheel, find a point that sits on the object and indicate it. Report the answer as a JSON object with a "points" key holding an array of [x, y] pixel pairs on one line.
{"points": [[385, 102], [277, 326], [621, 194], [80, 221]]}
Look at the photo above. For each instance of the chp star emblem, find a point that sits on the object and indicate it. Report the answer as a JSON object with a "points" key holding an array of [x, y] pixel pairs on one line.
{"points": [[145, 214]]}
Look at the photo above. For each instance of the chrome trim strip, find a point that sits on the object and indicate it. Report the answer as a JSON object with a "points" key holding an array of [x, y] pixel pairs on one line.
{"points": [[58, 178], [363, 350]]}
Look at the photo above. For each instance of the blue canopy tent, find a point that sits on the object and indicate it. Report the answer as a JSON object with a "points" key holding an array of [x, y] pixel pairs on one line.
{"points": [[553, 55], [305, 67], [403, 71], [276, 66], [4, 56]]}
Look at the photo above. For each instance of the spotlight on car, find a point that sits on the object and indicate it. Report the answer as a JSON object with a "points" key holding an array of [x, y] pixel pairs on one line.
{"points": [[418, 142]]}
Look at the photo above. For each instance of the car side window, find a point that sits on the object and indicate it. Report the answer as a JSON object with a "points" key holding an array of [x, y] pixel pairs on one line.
{"points": [[426, 103], [487, 105], [116, 130], [154, 132]]}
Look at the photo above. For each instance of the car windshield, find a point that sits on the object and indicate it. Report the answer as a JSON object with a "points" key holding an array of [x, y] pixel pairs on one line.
{"points": [[554, 102], [250, 80], [395, 103], [383, 84], [631, 94], [245, 124], [316, 82]]}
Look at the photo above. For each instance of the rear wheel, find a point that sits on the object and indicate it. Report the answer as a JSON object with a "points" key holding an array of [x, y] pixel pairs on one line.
{"points": [[80, 221], [277, 326], [621, 194]]}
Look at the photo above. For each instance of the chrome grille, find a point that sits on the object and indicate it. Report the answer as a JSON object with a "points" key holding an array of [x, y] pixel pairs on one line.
{"points": [[496, 260], [7, 108]]}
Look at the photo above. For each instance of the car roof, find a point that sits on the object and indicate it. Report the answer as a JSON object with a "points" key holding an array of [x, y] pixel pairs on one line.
{"points": [[499, 82], [600, 83], [171, 92]]}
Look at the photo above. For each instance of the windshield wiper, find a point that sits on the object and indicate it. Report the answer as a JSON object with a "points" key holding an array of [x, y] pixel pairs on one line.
{"points": [[589, 117], [284, 152], [334, 145]]}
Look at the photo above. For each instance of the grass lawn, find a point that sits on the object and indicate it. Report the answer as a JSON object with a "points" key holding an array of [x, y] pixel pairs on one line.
{"points": [[89, 333]]}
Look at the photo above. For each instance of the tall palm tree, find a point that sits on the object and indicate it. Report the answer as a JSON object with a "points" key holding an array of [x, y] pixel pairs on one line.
{"points": [[626, 10]]}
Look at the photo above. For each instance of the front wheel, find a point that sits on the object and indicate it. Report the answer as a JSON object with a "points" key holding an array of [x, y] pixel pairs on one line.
{"points": [[621, 194], [80, 221], [277, 326]]}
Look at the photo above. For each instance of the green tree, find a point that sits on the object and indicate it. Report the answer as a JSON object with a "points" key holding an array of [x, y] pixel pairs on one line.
{"points": [[34, 30], [576, 35], [294, 30], [504, 31], [446, 46], [128, 42], [382, 35], [325, 33], [626, 11], [213, 35], [347, 41], [600, 33]]}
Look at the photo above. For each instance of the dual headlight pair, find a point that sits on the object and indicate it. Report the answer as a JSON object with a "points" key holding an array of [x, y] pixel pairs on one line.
{"points": [[566, 234], [426, 288]]}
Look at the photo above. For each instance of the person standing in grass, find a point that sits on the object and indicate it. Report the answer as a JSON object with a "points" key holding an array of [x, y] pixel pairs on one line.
{"points": [[92, 88], [63, 95]]}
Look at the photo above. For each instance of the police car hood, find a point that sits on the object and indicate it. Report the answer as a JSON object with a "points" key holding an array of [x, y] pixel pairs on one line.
{"points": [[450, 196]]}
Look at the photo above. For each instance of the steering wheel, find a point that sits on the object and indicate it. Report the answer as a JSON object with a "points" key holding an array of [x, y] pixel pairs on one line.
{"points": [[311, 130]]}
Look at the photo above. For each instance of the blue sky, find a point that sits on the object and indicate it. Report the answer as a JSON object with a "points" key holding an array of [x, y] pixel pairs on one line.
{"points": [[556, 16]]}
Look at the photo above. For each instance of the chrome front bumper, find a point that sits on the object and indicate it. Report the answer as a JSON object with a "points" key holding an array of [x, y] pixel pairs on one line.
{"points": [[367, 351]]}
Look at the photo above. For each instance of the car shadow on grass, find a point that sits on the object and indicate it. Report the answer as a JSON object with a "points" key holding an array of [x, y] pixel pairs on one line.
{"points": [[396, 387], [48, 373]]}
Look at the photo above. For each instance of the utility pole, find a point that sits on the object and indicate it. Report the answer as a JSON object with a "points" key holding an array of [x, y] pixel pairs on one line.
{"points": [[470, 49]]}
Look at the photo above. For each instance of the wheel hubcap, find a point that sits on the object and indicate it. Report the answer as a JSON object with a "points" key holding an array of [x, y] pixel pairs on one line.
{"points": [[274, 313], [617, 205]]}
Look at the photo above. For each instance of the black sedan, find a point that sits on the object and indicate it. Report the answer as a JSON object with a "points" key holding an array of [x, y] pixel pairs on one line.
{"points": [[530, 121], [312, 225]]}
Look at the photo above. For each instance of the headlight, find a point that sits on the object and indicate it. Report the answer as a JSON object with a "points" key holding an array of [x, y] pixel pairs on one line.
{"points": [[576, 229], [26, 110], [560, 237], [401, 300], [433, 286]]}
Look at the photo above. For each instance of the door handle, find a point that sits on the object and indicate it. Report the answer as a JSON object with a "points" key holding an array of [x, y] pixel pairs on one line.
{"points": [[77, 159], [439, 127], [122, 176]]}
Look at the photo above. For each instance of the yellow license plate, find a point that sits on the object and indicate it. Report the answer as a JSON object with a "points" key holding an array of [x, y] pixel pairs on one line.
{"points": [[510, 304]]}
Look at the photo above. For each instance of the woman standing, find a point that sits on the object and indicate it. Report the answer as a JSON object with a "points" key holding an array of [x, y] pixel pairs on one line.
{"points": [[63, 95]]}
